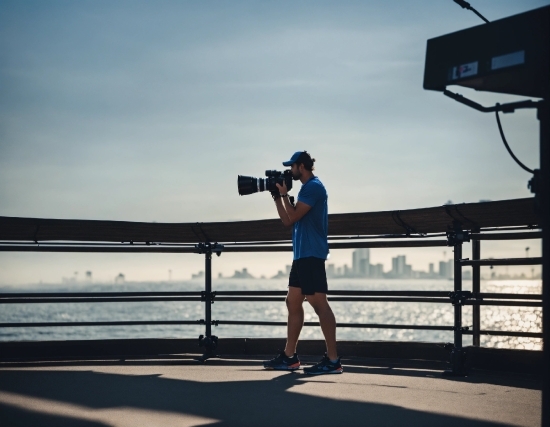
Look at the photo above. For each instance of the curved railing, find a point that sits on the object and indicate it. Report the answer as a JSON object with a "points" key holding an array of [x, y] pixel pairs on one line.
{"points": [[505, 220]]}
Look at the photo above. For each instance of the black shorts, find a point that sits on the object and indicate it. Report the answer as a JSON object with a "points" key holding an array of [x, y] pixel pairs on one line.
{"points": [[309, 275]]}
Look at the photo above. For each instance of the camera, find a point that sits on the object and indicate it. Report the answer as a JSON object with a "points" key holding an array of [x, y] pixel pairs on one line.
{"points": [[249, 184]]}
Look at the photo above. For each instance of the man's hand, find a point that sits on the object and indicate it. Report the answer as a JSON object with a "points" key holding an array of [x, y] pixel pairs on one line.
{"points": [[282, 188]]}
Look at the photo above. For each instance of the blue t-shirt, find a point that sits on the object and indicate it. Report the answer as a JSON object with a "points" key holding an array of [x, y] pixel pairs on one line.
{"points": [[309, 235]]}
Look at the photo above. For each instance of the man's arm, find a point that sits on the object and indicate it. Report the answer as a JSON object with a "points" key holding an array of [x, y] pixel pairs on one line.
{"points": [[289, 214]]}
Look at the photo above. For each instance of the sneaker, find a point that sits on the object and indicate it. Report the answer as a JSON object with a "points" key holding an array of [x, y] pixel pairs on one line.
{"points": [[325, 366], [282, 362]]}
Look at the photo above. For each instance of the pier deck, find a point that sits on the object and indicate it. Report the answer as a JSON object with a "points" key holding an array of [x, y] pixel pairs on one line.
{"points": [[236, 391]]}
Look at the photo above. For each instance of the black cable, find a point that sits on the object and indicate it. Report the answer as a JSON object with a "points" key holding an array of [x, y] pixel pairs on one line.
{"points": [[466, 5], [508, 147]]}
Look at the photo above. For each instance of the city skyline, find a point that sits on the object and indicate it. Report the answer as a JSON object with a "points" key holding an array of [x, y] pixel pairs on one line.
{"points": [[360, 268], [112, 111]]}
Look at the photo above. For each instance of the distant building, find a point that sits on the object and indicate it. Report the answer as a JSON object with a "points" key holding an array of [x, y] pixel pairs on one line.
{"points": [[280, 275], [377, 270], [446, 269], [120, 278], [331, 272], [361, 262], [431, 268], [244, 274], [88, 276], [451, 268], [443, 269], [400, 268], [347, 271], [198, 275]]}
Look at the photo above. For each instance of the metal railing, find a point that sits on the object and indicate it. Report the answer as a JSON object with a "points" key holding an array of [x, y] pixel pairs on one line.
{"points": [[458, 297]]}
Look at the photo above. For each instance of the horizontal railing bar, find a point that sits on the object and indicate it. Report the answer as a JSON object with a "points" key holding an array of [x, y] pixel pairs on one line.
{"points": [[502, 303], [267, 242], [93, 249], [517, 227], [244, 298], [344, 292], [440, 294], [507, 236], [95, 294], [342, 299], [92, 300], [107, 244], [119, 323], [387, 236], [507, 333], [510, 296], [251, 293], [509, 261], [339, 325], [389, 244], [260, 323], [169, 244], [257, 248], [44, 247], [474, 236]]}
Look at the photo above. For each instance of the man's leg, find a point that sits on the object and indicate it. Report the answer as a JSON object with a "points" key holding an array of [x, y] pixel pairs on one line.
{"points": [[321, 306], [294, 303]]}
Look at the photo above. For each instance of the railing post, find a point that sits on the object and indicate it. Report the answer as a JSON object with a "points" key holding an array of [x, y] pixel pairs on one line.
{"points": [[476, 289], [456, 238], [208, 292], [208, 341], [458, 288], [542, 198]]}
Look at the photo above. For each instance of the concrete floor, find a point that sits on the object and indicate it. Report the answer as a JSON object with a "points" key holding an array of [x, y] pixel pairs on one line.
{"points": [[238, 392]]}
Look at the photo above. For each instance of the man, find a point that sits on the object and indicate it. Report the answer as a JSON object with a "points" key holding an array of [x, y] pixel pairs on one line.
{"points": [[308, 280]]}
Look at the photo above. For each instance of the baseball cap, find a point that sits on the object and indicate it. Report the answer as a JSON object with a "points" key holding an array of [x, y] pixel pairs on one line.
{"points": [[295, 157]]}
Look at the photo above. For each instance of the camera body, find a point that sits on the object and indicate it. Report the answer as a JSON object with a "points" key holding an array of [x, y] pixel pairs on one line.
{"points": [[277, 177], [249, 185]]}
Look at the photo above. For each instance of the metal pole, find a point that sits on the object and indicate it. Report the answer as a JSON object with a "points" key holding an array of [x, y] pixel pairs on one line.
{"points": [[544, 211], [208, 291], [458, 288], [476, 289]]}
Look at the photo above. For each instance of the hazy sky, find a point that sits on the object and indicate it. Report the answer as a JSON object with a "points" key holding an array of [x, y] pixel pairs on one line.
{"points": [[148, 111]]}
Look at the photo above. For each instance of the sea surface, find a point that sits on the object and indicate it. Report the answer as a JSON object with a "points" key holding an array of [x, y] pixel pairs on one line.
{"points": [[492, 318]]}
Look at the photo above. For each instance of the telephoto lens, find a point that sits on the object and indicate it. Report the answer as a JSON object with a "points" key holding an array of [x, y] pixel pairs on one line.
{"points": [[249, 185]]}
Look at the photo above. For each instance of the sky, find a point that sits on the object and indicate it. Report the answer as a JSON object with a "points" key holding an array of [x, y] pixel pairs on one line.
{"points": [[148, 111]]}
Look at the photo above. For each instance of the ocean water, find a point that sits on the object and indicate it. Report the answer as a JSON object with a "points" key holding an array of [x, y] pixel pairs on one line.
{"points": [[492, 318]]}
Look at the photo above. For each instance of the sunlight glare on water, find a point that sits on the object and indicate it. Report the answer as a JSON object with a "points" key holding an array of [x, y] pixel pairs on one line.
{"points": [[493, 318]]}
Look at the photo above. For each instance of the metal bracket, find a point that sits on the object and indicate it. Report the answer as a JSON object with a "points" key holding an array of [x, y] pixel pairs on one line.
{"points": [[209, 343], [457, 235], [208, 296], [505, 108], [458, 361], [535, 185], [209, 248], [459, 297]]}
